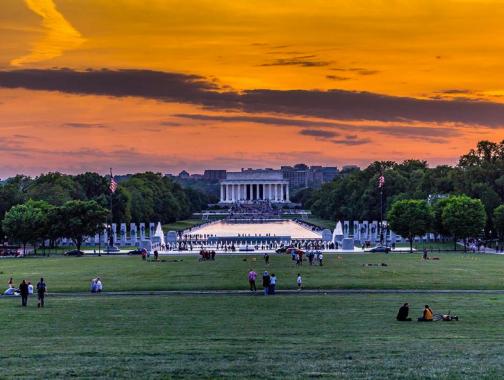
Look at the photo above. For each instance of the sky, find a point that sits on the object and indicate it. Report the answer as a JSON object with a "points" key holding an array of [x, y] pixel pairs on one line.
{"points": [[166, 85]]}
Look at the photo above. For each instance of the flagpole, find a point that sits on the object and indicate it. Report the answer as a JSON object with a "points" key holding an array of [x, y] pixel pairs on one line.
{"points": [[111, 238]]}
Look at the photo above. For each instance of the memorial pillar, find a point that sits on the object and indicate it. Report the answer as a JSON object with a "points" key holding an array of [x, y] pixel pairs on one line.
{"points": [[229, 195], [222, 193], [287, 198]]}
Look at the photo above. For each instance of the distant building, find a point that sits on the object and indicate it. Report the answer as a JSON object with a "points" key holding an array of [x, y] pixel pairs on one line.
{"points": [[254, 185], [347, 169], [183, 174], [297, 178], [214, 175]]}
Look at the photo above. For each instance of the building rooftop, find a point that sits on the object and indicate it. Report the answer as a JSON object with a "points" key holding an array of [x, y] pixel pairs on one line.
{"points": [[255, 175]]}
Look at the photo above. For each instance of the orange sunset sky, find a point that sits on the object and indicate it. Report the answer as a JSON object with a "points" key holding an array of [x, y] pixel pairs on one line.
{"points": [[169, 85]]}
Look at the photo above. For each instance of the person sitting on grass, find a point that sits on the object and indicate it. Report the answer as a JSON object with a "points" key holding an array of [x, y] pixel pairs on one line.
{"points": [[11, 291], [427, 315], [402, 315]]}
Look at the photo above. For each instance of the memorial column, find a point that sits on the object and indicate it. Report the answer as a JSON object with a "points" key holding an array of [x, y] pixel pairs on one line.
{"points": [[222, 192]]}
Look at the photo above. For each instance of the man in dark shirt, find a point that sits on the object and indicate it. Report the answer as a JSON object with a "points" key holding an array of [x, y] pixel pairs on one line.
{"points": [[23, 290], [41, 291], [402, 315]]}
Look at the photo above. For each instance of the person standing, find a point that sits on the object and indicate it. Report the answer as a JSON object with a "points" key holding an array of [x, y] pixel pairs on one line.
{"points": [[273, 281], [30, 288], [266, 258], [252, 279], [266, 282], [299, 281], [321, 259], [23, 290], [41, 291]]}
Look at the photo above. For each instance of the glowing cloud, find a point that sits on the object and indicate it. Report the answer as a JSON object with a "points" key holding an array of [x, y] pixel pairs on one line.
{"points": [[60, 34]]}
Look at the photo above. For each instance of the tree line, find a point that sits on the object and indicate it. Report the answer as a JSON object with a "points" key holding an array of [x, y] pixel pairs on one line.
{"points": [[479, 174], [142, 197]]}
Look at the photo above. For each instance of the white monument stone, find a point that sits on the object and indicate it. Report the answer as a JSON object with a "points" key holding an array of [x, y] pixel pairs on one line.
{"points": [[246, 187]]}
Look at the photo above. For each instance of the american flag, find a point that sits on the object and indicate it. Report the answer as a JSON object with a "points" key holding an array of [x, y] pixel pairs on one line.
{"points": [[113, 185], [381, 181]]}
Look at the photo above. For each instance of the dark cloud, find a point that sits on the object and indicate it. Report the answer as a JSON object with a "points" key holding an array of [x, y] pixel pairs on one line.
{"points": [[303, 61], [332, 104], [22, 137], [321, 133], [357, 70], [170, 124], [84, 125], [454, 91], [367, 72], [140, 83], [336, 77], [256, 119], [401, 131], [351, 140]]}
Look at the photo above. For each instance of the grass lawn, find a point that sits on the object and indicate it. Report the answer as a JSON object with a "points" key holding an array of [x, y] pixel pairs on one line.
{"points": [[403, 271], [181, 225], [323, 223], [294, 337]]}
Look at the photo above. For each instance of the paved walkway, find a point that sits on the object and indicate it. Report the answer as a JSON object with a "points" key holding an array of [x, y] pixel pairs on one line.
{"points": [[292, 292]]}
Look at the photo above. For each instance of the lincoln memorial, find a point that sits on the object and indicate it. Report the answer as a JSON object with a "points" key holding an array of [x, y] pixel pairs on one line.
{"points": [[243, 187]]}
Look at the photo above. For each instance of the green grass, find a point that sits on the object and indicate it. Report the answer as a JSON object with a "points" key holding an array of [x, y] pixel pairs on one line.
{"points": [[446, 246], [294, 337], [322, 223], [404, 271], [181, 224]]}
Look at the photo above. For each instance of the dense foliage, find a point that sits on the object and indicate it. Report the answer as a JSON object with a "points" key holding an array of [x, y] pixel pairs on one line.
{"points": [[410, 218], [144, 197], [356, 196]]}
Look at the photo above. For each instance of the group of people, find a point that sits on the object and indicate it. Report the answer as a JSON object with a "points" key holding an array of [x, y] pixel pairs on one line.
{"points": [[313, 257], [96, 285], [427, 315], [269, 282], [206, 255], [25, 289]]}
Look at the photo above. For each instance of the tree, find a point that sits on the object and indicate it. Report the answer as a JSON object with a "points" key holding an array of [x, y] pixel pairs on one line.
{"points": [[410, 218], [80, 219], [498, 220], [26, 223], [437, 217], [464, 217]]}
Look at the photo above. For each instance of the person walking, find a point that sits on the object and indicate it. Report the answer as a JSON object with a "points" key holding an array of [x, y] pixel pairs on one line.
{"points": [[23, 290], [266, 258], [273, 281], [41, 291], [321, 259], [252, 279], [299, 281]]}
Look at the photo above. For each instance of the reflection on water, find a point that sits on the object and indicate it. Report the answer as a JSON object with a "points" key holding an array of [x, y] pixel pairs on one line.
{"points": [[280, 228]]}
